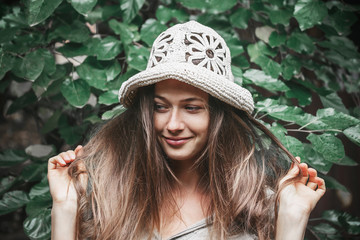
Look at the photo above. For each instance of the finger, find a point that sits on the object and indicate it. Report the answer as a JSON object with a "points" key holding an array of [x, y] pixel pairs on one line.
{"points": [[298, 159], [312, 185], [321, 187], [68, 156], [293, 172], [312, 172], [54, 161], [72, 154], [304, 173], [78, 150]]}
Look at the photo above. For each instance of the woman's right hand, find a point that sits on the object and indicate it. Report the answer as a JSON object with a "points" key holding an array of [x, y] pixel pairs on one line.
{"points": [[61, 186]]}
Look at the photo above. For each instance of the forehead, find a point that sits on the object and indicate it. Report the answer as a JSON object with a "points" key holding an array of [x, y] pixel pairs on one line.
{"points": [[175, 88]]}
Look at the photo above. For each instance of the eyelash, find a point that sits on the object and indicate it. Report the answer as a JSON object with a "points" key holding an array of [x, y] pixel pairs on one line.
{"points": [[159, 107], [190, 108]]}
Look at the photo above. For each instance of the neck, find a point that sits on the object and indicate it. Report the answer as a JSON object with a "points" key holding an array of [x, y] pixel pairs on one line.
{"points": [[186, 174]]}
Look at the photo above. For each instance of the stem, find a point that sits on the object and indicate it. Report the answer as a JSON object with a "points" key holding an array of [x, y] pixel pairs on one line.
{"points": [[312, 232], [314, 120], [312, 131]]}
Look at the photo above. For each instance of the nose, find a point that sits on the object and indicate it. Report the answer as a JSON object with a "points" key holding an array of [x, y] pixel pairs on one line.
{"points": [[175, 123]]}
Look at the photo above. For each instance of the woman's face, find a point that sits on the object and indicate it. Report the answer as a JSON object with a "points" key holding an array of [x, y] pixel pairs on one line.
{"points": [[181, 119]]}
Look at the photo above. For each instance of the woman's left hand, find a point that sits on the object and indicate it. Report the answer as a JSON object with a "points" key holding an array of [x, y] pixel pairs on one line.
{"points": [[301, 196], [296, 201]]}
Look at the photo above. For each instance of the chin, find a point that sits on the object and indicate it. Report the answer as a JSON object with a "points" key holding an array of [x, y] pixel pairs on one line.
{"points": [[179, 156]]}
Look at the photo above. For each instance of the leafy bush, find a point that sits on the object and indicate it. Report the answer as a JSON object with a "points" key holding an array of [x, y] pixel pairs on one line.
{"points": [[294, 56]]}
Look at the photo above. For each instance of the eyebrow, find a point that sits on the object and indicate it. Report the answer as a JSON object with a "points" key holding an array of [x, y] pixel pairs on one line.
{"points": [[183, 100]]}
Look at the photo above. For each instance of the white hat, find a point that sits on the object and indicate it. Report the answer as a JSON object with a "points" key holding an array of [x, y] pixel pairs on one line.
{"points": [[196, 55]]}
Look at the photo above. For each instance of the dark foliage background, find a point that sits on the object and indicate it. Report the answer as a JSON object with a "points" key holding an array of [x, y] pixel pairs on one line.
{"points": [[62, 62]]}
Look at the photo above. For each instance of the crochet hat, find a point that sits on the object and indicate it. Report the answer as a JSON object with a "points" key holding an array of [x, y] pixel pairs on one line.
{"points": [[194, 54]]}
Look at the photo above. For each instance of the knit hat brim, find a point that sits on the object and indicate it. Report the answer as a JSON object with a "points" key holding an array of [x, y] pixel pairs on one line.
{"points": [[199, 77]]}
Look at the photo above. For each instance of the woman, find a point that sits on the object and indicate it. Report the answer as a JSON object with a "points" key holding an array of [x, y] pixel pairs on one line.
{"points": [[186, 160]]}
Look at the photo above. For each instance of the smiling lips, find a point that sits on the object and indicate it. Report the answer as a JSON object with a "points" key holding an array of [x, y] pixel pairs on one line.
{"points": [[176, 141]]}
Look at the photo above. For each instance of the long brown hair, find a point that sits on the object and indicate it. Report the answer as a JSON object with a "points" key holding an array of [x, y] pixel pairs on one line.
{"points": [[130, 179]]}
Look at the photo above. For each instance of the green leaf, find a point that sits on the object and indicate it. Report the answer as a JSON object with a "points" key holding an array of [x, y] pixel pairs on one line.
{"points": [[212, 6], [333, 101], [346, 161], [109, 97], [301, 43], [38, 226], [341, 21], [22, 102], [289, 114], [137, 57], [10, 157], [108, 48], [276, 39], [6, 63], [280, 16], [293, 145], [315, 159], [240, 61], [93, 119], [49, 60], [164, 14], [237, 74], [130, 8], [328, 145], [259, 49], [7, 34], [341, 45], [72, 49], [76, 32], [40, 189], [290, 66], [332, 183], [278, 130], [240, 18], [150, 30], [259, 78], [12, 201], [235, 46], [300, 93], [76, 92], [6, 183], [40, 197], [72, 134], [342, 219], [40, 152], [353, 133], [309, 12], [123, 30], [102, 13], [269, 66], [33, 172], [51, 123], [325, 228], [30, 67], [39, 10], [336, 120], [98, 73], [38, 203], [113, 112], [83, 6]]}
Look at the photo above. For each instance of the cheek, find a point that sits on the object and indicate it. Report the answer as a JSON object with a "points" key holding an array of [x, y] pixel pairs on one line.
{"points": [[158, 122], [200, 125]]}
